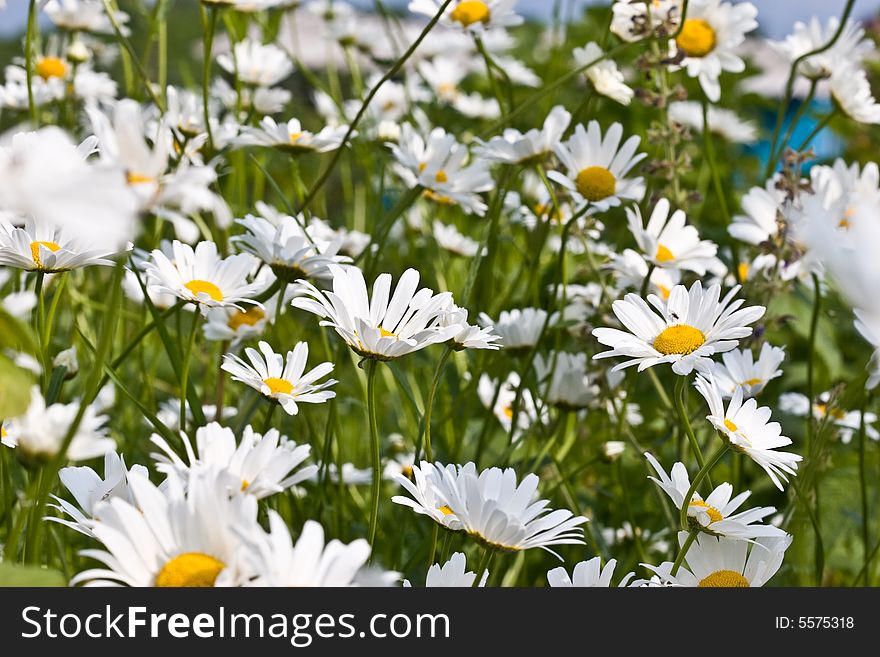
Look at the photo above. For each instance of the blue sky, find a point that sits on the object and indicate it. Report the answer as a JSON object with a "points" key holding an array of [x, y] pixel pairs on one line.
{"points": [[776, 16]]}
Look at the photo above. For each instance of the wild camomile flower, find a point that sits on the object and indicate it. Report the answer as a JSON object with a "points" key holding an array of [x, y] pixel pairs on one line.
{"points": [[740, 370], [667, 241], [383, 326], [726, 562], [449, 239], [715, 515], [597, 167], [236, 326], [851, 90], [827, 409], [283, 380], [502, 400], [257, 64], [440, 165], [604, 75], [849, 49], [41, 247], [762, 215], [475, 16], [83, 16], [746, 428], [39, 433], [469, 337], [186, 534], [630, 269], [723, 122], [259, 465], [201, 276], [686, 330], [563, 381], [290, 137], [515, 147], [275, 560], [868, 326], [452, 574], [519, 328], [89, 488], [632, 21], [709, 38], [586, 574], [490, 506]]}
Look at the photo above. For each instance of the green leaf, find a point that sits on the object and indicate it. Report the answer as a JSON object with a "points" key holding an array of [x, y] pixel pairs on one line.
{"points": [[17, 575], [15, 389], [15, 335]]}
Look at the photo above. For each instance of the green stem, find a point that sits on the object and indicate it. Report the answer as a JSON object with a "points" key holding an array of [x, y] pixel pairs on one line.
{"points": [[372, 366], [863, 486], [702, 474], [692, 536], [483, 566], [29, 60], [819, 128], [429, 406], [811, 349], [792, 125], [184, 376], [685, 421], [210, 25], [267, 421]]}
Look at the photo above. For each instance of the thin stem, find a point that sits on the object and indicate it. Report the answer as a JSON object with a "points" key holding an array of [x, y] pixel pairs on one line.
{"points": [[372, 365], [811, 348], [692, 536], [184, 376], [819, 128], [702, 474], [709, 147], [267, 421], [792, 126], [210, 24], [863, 487], [429, 406], [483, 566], [29, 60], [685, 421]]}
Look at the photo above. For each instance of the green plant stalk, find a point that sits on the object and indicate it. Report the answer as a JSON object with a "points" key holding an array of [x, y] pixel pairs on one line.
{"points": [[863, 489], [29, 60], [429, 406], [372, 365], [686, 423], [702, 474], [819, 128], [209, 21], [792, 126], [679, 559], [184, 376], [485, 561]]}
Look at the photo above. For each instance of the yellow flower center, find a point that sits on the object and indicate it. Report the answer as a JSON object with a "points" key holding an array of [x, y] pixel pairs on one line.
{"points": [[751, 382], [442, 199], [663, 254], [386, 334], [681, 339], [51, 67], [295, 137], [249, 317], [407, 472], [697, 38], [471, 11], [441, 177], [204, 287], [845, 221], [279, 386], [713, 513], [508, 412], [35, 251], [743, 271], [823, 410], [245, 484], [725, 579], [664, 291], [446, 510], [190, 569], [596, 183], [133, 178], [446, 89], [730, 425], [3, 433]]}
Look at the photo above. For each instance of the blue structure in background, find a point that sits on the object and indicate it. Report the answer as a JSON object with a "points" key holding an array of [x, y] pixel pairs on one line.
{"points": [[826, 144]]}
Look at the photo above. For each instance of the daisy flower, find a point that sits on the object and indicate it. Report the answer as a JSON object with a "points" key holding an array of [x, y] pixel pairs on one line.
{"points": [[44, 248], [715, 515], [501, 401], [176, 536], [515, 147], [762, 215], [723, 122], [563, 380], [725, 562], [40, 432], [604, 75], [740, 370], [256, 64], [83, 16], [448, 238], [686, 330], [259, 465], [851, 90], [586, 574], [668, 242], [869, 328], [825, 409], [291, 137], [385, 326], [201, 276], [849, 49], [632, 21], [476, 16], [89, 488], [745, 426], [519, 328], [469, 337], [276, 561], [712, 32], [237, 326], [284, 381], [597, 167], [630, 269], [452, 574], [490, 506], [439, 165]]}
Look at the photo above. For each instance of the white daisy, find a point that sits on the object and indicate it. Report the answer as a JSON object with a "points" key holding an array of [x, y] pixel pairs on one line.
{"points": [[83, 16], [469, 337], [586, 574], [276, 561], [826, 409], [259, 465], [201, 276], [502, 401], [237, 326], [630, 269], [452, 574], [39, 433], [291, 137], [563, 380], [668, 242], [716, 514], [597, 167], [851, 90], [605, 77], [475, 16], [515, 147], [686, 330], [850, 48], [41, 247], [490, 506], [256, 64], [382, 326], [448, 238], [519, 328], [284, 381], [176, 536], [725, 562], [709, 39], [633, 20], [869, 327], [746, 428], [762, 215], [741, 370], [722, 121]]}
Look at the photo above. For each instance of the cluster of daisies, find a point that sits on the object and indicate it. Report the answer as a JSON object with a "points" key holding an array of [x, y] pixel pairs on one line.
{"points": [[195, 206]]}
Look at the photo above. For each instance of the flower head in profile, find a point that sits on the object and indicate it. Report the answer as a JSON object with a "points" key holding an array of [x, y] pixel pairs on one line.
{"points": [[452, 574], [519, 328], [515, 147], [500, 397], [848, 49], [586, 574], [291, 137], [726, 562], [470, 337], [603, 74], [740, 369], [747, 429], [257, 64], [597, 167], [489, 506], [45, 248], [686, 329], [827, 408], [383, 326], [476, 16], [282, 379], [563, 380]]}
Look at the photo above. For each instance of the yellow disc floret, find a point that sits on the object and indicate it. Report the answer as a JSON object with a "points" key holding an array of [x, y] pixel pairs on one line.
{"points": [[190, 569], [663, 254], [204, 287], [35, 251], [724, 579], [596, 183], [249, 317], [713, 513], [697, 38], [276, 386], [681, 339], [51, 67], [471, 11]]}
